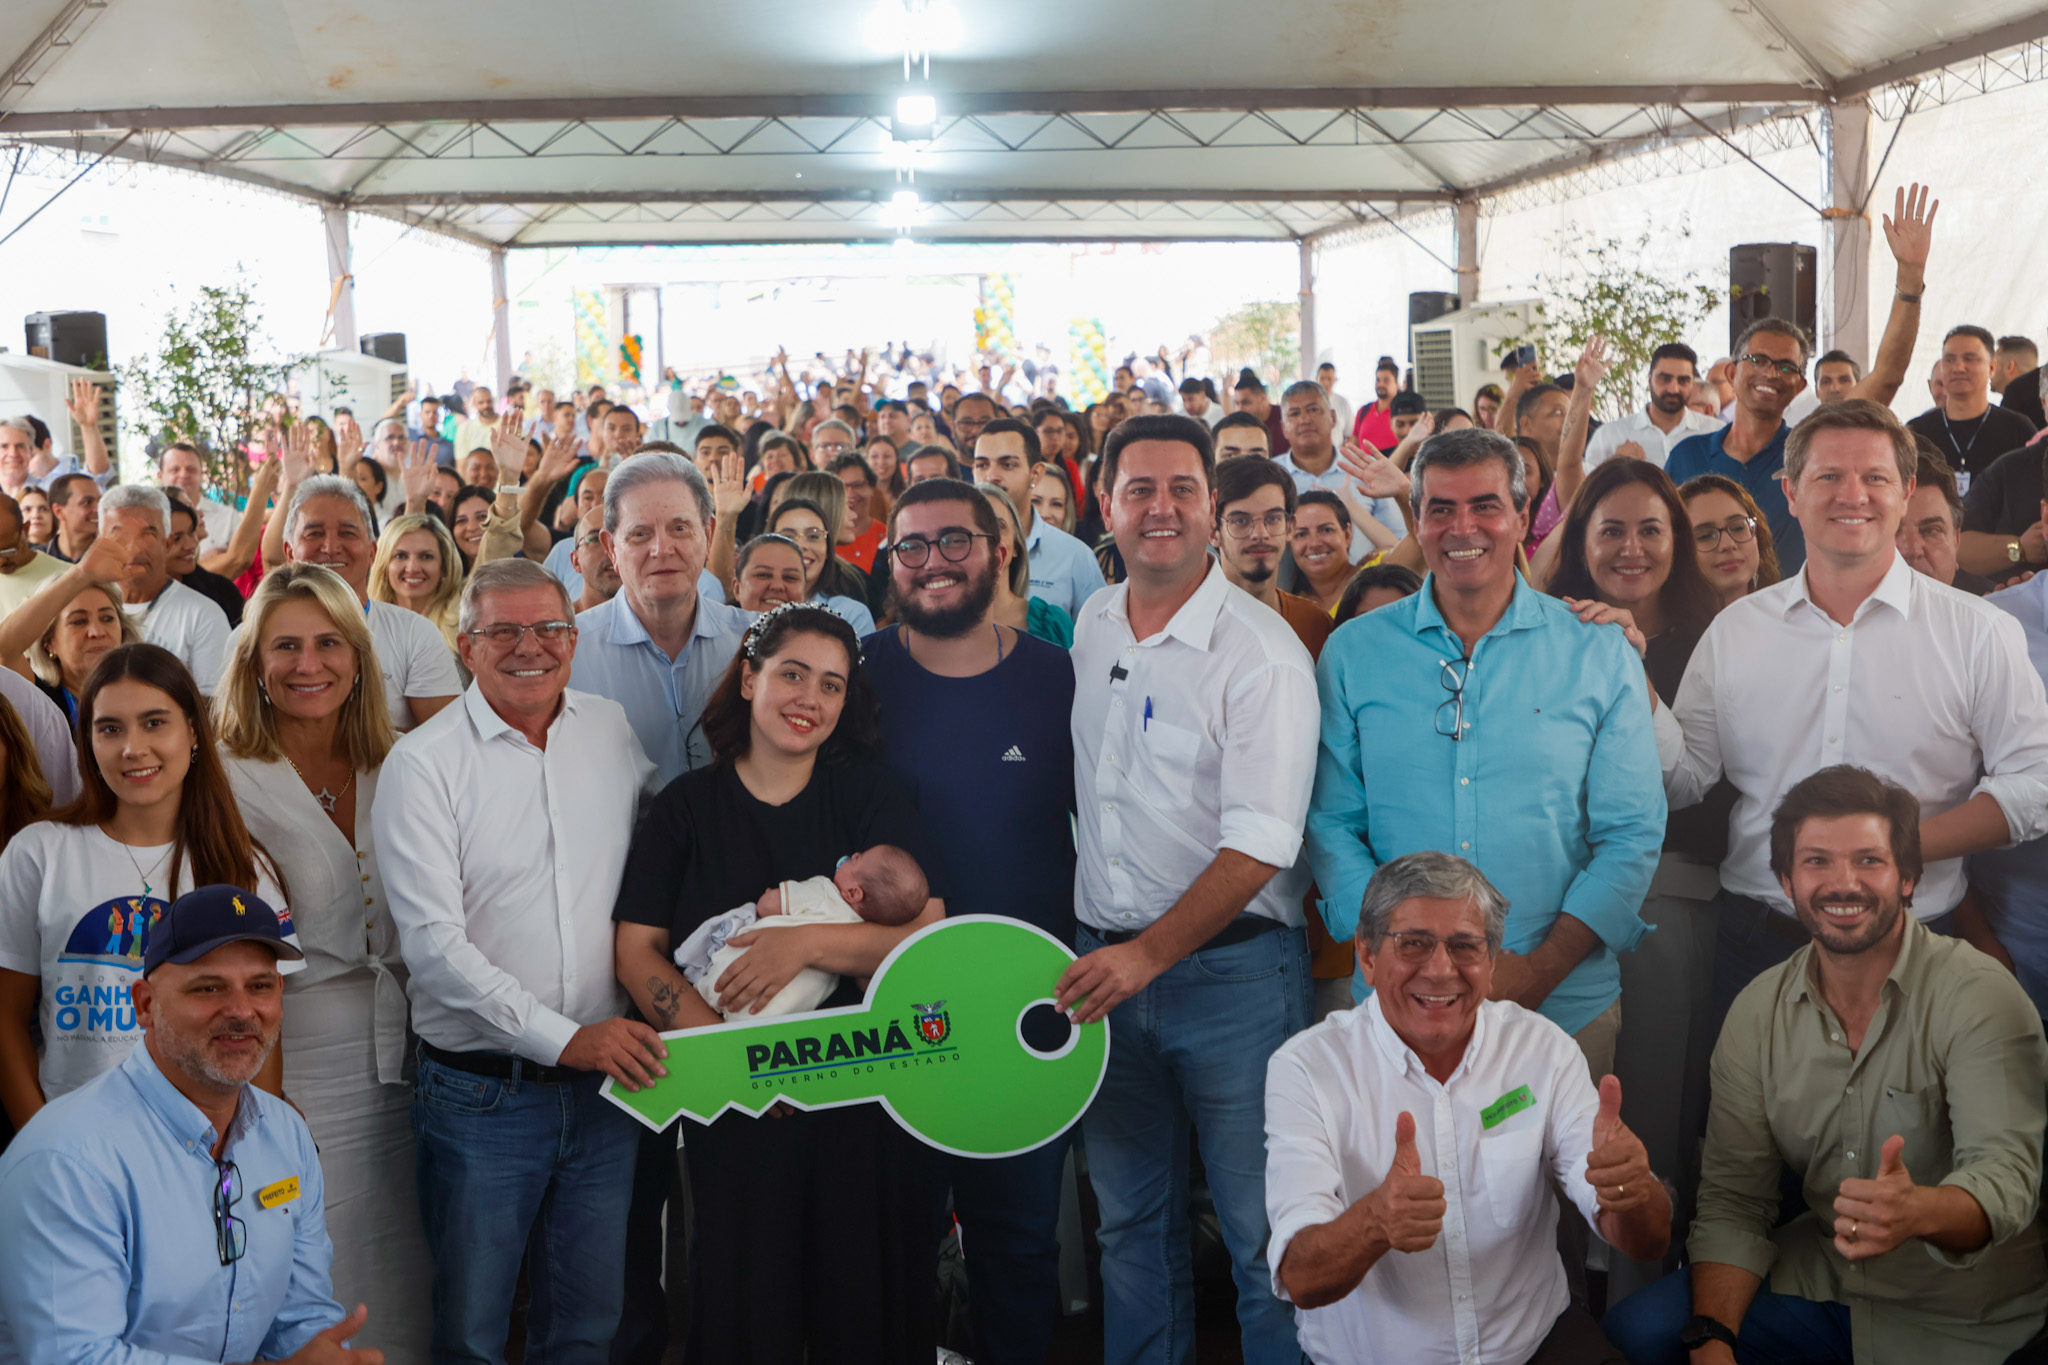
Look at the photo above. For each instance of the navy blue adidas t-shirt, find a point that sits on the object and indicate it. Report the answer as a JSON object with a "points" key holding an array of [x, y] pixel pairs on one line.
{"points": [[990, 762]]}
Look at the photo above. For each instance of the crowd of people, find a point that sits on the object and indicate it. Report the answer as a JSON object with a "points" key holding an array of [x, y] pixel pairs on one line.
{"points": [[1568, 891]]}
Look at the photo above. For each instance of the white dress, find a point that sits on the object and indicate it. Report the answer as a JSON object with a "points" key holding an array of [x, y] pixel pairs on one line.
{"points": [[345, 1050]]}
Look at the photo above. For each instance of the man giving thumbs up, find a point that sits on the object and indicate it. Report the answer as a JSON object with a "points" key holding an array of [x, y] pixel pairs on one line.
{"points": [[1413, 1143]]}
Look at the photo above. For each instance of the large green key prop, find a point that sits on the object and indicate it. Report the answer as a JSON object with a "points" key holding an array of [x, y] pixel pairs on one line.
{"points": [[942, 1043]]}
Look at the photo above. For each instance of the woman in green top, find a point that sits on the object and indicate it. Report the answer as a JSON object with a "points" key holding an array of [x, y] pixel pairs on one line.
{"points": [[1015, 607]]}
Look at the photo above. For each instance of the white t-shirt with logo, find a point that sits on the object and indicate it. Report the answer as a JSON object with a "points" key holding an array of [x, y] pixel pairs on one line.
{"points": [[72, 913], [189, 624]]}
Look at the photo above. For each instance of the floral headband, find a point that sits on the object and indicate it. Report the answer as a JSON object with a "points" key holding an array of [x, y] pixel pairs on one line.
{"points": [[750, 644]]}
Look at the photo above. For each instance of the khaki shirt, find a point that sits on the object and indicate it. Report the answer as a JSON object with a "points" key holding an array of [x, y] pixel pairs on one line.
{"points": [[1955, 1062]]}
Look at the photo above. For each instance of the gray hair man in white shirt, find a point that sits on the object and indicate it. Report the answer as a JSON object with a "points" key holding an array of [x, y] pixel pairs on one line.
{"points": [[504, 822], [1433, 1122], [1195, 721], [1857, 659]]}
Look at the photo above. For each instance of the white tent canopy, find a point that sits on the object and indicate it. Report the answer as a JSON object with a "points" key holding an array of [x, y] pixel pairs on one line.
{"points": [[529, 123]]}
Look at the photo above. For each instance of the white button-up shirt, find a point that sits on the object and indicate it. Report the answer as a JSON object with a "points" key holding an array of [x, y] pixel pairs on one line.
{"points": [[501, 862], [1492, 1287], [1638, 427], [1199, 739], [1927, 686]]}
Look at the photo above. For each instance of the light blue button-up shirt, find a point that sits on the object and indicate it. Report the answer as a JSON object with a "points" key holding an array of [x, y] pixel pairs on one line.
{"points": [[1385, 511], [1554, 792], [2013, 881], [109, 1253], [561, 562], [1063, 570], [663, 697]]}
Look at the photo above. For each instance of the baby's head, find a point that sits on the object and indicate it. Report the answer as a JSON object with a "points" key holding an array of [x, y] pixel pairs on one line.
{"points": [[883, 884]]}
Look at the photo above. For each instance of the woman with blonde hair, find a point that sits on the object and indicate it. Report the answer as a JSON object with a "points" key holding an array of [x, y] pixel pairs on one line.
{"points": [[418, 567], [303, 733]]}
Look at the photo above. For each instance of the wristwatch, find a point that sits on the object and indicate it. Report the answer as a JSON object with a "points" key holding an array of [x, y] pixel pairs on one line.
{"points": [[2012, 552], [1703, 1329], [513, 490]]}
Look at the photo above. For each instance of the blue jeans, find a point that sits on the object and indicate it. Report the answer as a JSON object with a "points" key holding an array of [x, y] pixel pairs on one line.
{"points": [[1192, 1047], [511, 1168], [1009, 1209], [1780, 1329]]}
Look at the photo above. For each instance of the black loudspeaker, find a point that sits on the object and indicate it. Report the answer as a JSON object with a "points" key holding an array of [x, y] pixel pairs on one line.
{"points": [[385, 346], [69, 338], [1773, 280], [1427, 307]]}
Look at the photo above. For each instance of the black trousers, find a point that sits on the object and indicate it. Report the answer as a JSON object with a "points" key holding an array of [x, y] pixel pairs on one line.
{"points": [[814, 1240], [1575, 1339]]}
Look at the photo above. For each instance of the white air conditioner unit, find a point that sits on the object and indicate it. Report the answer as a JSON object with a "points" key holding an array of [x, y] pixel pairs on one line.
{"points": [[1455, 354], [32, 386], [363, 384]]}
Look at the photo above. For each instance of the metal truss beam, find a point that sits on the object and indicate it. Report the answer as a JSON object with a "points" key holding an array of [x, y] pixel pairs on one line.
{"points": [[864, 196], [2031, 28]]}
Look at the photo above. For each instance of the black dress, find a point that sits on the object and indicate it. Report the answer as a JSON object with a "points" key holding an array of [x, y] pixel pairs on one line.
{"points": [[816, 1232]]}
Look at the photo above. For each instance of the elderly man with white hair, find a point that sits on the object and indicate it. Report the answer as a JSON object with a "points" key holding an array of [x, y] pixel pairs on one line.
{"points": [[327, 521], [1412, 1142], [168, 613]]}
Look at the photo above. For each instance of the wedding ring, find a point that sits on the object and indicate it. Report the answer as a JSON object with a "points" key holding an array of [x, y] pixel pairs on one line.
{"points": [[1853, 1225], [1620, 1190]]}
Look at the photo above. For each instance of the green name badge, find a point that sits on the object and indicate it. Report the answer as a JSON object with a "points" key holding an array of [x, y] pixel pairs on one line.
{"points": [[941, 1044], [1506, 1107]]}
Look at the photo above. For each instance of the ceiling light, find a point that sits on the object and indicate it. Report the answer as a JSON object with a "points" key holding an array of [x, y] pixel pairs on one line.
{"points": [[917, 109]]}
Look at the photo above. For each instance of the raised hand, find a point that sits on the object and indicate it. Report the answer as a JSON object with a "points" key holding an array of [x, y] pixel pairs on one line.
{"points": [[1618, 1168], [1408, 1206], [263, 484], [331, 1346], [84, 403], [348, 441], [557, 459], [416, 470], [107, 557], [1909, 227], [1592, 366], [297, 455], [1876, 1216], [1375, 474], [729, 492], [508, 446]]}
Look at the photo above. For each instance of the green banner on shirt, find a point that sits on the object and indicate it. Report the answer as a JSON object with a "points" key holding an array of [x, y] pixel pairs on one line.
{"points": [[940, 1043]]}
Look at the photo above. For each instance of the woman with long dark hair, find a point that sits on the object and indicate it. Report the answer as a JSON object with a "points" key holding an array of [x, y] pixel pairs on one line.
{"points": [[1626, 553], [24, 790], [833, 1258], [81, 891]]}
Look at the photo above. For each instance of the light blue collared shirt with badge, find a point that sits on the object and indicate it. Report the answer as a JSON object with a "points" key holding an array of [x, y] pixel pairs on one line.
{"points": [[663, 697], [1063, 570], [110, 1252]]}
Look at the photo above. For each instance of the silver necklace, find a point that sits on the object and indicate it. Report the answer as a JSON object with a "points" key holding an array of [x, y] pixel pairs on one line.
{"points": [[147, 889], [328, 800]]}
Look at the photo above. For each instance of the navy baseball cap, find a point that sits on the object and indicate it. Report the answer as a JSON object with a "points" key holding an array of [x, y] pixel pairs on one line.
{"points": [[200, 921]]}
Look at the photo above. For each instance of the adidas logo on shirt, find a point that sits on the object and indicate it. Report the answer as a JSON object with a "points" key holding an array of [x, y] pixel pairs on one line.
{"points": [[1015, 755]]}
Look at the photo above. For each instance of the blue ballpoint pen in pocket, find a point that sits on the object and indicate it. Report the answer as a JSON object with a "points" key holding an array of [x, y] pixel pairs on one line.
{"points": [[1148, 715]]}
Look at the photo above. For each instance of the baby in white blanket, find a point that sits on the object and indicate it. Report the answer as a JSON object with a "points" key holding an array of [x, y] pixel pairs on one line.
{"points": [[880, 885]]}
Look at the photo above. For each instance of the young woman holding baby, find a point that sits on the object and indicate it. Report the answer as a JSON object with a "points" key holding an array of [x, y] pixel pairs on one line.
{"points": [[814, 1229]]}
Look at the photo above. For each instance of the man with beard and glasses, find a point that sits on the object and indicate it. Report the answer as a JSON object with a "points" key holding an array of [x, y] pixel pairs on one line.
{"points": [[1254, 515], [1900, 1075], [974, 719], [169, 1210]]}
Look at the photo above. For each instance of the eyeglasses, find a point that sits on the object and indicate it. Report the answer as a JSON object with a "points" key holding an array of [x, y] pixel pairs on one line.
{"points": [[1416, 946], [814, 536], [1741, 530], [912, 551], [595, 537], [1241, 524], [230, 1234], [505, 635], [1788, 368], [833, 447], [1456, 673]]}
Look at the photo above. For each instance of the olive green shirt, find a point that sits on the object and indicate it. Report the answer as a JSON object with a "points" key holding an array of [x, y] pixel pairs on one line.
{"points": [[1954, 1061]]}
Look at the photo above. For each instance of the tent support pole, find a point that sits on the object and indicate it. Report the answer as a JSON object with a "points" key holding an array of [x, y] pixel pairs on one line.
{"points": [[1308, 308], [341, 312], [501, 319], [1467, 233], [1845, 283]]}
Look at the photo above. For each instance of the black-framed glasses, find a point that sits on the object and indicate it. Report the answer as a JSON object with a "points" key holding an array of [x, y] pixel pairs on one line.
{"points": [[912, 551], [1416, 946], [1238, 525], [506, 635], [230, 1234], [1741, 530], [1456, 672], [1788, 368]]}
